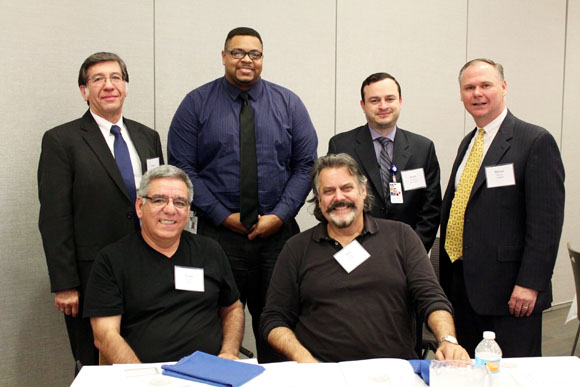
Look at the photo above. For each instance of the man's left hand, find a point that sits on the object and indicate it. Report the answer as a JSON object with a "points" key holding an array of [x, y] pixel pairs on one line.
{"points": [[450, 351], [266, 226], [226, 355], [522, 301]]}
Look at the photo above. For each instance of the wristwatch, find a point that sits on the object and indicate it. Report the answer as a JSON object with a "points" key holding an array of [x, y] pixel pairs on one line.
{"points": [[449, 339]]}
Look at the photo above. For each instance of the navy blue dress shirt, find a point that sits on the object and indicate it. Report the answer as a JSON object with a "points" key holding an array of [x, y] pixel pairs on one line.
{"points": [[204, 141]]}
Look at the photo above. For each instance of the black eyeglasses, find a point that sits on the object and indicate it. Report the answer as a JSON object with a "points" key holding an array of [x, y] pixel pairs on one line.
{"points": [[237, 53], [161, 201]]}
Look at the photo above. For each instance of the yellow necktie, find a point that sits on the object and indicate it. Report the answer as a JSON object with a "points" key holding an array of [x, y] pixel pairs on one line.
{"points": [[454, 236]]}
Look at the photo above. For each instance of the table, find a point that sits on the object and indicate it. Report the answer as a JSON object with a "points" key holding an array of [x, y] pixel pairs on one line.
{"points": [[561, 371]]}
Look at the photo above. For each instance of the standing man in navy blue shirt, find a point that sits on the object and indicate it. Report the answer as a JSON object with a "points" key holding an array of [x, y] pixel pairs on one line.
{"points": [[207, 139]]}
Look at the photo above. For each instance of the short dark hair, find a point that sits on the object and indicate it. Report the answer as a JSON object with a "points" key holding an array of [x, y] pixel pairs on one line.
{"points": [[498, 67], [340, 160], [243, 31], [376, 77], [98, 58]]}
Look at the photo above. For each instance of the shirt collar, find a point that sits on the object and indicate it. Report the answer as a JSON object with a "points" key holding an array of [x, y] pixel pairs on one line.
{"points": [[321, 233], [492, 128], [234, 92], [105, 125], [390, 135]]}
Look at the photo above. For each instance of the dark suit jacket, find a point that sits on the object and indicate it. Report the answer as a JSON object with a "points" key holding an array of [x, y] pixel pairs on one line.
{"points": [[84, 203], [511, 234], [420, 209]]}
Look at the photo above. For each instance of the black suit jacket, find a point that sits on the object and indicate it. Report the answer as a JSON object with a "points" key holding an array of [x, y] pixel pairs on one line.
{"points": [[511, 234], [84, 203], [420, 208]]}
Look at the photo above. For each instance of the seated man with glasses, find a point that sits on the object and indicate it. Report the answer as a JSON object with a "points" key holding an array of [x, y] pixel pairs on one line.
{"points": [[163, 293]]}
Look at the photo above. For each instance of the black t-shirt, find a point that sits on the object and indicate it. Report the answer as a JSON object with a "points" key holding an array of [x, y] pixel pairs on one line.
{"points": [[159, 322]]}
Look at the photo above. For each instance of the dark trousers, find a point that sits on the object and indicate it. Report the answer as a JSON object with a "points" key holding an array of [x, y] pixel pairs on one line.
{"points": [[252, 263], [516, 336], [80, 333]]}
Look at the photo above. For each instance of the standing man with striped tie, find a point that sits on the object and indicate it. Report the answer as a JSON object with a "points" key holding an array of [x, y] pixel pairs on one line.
{"points": [[501, 219], [87, 175], [401, 166], [248, 146]]}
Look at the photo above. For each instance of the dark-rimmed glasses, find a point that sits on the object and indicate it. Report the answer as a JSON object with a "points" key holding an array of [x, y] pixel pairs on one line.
{"points": [[238, 53], [160, 201]]}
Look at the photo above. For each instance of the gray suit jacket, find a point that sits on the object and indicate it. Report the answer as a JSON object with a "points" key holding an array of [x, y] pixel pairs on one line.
{"points": [[511, 234], [84, 203], [420, 209]]}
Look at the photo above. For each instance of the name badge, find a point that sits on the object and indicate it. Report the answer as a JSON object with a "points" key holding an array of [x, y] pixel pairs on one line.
{"points": [[189, 278], [500, 176], [351, 256], [413, 179], [152, 163], [396, 192]]}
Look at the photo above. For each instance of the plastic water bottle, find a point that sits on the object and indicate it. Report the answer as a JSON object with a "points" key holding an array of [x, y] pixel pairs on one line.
{"points": [[488, 353]]}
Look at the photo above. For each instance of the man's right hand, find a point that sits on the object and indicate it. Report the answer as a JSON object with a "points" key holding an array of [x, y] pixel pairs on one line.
{"points": [[233, 223], [67, 301]]}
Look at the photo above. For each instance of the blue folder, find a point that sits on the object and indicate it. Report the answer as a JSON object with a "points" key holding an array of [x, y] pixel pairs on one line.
{"points": [[421, 368], [216, 371]]}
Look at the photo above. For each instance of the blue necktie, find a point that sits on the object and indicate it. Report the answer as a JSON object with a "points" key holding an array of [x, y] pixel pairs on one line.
{"points": [[124, 162]]}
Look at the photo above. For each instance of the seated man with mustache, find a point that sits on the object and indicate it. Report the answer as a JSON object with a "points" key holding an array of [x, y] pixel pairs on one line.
{"points": [[347, 289]]}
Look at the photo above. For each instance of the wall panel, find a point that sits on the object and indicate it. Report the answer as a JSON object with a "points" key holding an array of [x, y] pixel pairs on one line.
{"points": [[43, 46], [570, 146], [532, 53], [422, 44], [298, 42]]}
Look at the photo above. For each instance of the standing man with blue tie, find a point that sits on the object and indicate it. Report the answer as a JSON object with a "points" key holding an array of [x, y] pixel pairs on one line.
{"points": [[501, 219], [248, 146], [87, 175]]}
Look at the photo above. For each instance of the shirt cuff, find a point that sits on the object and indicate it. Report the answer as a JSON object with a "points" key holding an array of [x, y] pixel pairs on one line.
{"points": [[218, 214]]}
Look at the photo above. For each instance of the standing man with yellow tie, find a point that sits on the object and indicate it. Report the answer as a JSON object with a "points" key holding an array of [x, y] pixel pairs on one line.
{"points": [[501, 219]]}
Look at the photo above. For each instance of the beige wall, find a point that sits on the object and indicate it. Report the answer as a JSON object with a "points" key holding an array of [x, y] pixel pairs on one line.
{"points": [[322, 50]]}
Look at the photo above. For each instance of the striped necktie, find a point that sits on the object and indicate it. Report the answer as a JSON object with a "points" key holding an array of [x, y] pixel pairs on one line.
{"points": [[454, 236], [385, 164]]}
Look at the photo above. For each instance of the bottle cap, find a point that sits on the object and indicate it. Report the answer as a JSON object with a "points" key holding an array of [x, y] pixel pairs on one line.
{"points": [[489, 335]]}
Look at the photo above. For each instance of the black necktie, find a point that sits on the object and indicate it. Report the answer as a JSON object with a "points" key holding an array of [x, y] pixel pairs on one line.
{"points": [[248, 165], [124, 162]]}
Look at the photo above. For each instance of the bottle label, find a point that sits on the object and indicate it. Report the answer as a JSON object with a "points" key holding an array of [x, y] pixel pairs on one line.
{"points": [[492, 365]]}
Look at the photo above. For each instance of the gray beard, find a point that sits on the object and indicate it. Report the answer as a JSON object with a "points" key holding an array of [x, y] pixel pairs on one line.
{"points": [[342, 223]]}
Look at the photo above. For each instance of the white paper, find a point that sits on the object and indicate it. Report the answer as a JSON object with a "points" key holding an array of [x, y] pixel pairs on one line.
{"points": [[152, 163], [500, 176], [413, 179], [189, 278], [351, 256]]}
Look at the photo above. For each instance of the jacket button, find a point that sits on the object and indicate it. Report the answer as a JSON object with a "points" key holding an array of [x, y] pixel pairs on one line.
{"points": [[130, 215]]}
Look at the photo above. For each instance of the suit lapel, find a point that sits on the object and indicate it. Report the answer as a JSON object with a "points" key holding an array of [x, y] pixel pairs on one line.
{"points": [[499, 146], [94, 139], [365, 152], [450, 191], [139, 141], [401, 153]]}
